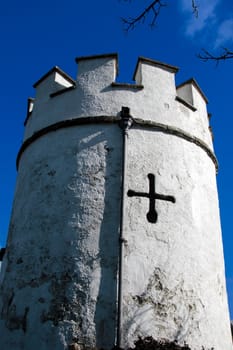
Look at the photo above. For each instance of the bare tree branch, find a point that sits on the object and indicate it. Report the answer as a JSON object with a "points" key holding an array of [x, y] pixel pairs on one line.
{"points": [[208, 56], [153, 8], [195, 8]]}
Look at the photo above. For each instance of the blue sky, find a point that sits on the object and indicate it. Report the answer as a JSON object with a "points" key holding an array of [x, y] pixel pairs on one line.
{"points": [[35, 36]]}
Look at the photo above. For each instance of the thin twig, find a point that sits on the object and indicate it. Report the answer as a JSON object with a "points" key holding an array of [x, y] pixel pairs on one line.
{"points": [[208, 56], [154, 7], [195, 8]]}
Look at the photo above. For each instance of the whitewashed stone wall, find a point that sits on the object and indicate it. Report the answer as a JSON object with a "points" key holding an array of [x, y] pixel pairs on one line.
{"points": [[174, 268], [59, 274]]}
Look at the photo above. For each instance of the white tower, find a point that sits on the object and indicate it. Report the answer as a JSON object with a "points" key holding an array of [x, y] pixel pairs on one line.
{"points": [[115, 229]]}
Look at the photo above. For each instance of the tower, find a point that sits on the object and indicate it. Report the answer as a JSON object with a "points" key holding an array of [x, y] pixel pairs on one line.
{"points": [[115, 229]]}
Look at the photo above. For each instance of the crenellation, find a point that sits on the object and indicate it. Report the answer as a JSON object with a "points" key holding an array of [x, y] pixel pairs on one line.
{"points": [[95, 92], [184, 91], [191, 92], [190, 95], [200, 101], [58, 75], [54, 80], [99, 70], [154, 63], [154, 73], [137, 77]]}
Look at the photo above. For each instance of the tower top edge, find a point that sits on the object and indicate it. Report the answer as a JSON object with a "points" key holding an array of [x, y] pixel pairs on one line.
{"points": [[113, 55], [93, 57], [193, 82], [105, 67], [58, 70], [141, 59]]}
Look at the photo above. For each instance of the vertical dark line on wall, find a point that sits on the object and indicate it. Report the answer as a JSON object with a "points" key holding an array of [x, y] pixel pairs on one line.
{"points": [[125, 123]]}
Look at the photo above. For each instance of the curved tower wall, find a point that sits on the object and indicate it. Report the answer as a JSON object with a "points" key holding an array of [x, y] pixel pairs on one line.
{"points": [[59, 276]]}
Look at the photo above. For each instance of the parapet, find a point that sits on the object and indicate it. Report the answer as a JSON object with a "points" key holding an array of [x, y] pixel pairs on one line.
{"points": [[95, 92], [100, 70], [143, 62], [104, 67], [190, 92], [54, 80]]}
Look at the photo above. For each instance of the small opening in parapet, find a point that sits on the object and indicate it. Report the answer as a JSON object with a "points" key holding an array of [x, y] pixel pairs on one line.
{"points": [[125, 73], [124, 80]]}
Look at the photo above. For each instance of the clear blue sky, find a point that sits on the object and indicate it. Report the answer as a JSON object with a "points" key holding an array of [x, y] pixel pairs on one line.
{"points": [[35, 36]]}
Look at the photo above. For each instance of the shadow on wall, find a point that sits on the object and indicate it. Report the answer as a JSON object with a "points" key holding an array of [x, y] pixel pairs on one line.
{"points": [[106, 305]]}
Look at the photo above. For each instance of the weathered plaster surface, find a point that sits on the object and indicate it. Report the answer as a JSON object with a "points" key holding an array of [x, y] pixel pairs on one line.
{"points": [[61, 265], [59, 274], [174, 273]]}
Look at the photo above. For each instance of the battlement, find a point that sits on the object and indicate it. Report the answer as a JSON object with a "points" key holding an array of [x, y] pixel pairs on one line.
{"points": [[190, 92], [92, 67], [143, 62], [54, 80], [95, 91]]}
